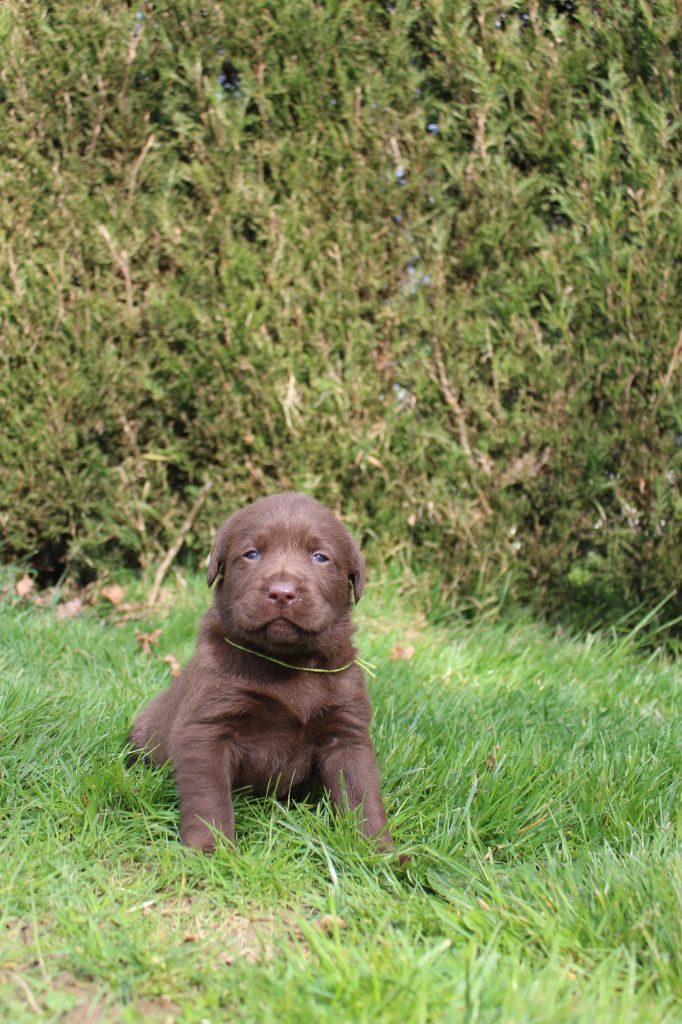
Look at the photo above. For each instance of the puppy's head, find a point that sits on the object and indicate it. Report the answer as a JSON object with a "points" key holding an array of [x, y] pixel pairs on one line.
{"points": [[286, 567]]}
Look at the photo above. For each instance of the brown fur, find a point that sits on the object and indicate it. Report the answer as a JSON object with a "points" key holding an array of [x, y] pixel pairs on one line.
{"points": [[235, 719]]}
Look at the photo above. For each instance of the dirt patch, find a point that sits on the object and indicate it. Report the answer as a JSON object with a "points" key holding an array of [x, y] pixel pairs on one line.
{"points": [[223, 934], [213, 935], [72, 1000]]}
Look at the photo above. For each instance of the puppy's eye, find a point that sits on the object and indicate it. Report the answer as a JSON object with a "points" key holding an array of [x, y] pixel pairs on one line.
{"points": [[320, 557], [252, 554]]}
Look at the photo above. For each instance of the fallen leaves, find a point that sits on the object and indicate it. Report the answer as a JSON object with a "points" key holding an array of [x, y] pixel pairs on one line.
{"points": [[68, 601], [147, 640], [329, 923], [24, 586], [174, 665], [400, 653], [491, 759], [69, 609], [114, 593]]}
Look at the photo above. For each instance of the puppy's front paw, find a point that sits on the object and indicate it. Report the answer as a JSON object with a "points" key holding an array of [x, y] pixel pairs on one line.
{"points": [[198, 836], [386, 845]]}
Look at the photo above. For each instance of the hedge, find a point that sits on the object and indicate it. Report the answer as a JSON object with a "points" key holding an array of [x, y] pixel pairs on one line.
{"points": [[420, 259]]}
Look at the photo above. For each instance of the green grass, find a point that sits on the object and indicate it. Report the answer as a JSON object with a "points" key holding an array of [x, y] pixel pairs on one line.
{"points": [[534, 778]]}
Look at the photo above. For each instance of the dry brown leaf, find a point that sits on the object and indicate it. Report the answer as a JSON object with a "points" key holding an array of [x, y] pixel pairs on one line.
{"points": [[174, 665], [328, 922], [24, 586], [145, 640], [126, 612], [400, 653], [114, 593], [69, 609]]}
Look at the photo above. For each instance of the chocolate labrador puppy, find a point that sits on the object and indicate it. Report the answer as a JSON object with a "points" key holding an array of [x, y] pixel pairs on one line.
{"points": [[273, 696]]}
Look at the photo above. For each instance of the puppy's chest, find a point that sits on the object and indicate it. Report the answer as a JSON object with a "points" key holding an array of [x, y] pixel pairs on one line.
{"points": [[273, 734]]}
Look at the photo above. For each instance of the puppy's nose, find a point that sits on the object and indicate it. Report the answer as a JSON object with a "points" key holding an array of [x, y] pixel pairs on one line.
{"points": [[282, 592]]}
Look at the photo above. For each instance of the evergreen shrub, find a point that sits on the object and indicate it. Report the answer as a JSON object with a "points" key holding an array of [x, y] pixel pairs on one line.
{"points": [[420, 259]]}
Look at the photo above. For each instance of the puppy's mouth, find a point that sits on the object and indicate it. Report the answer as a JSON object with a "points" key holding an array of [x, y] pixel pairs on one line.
{"points": [[284, 625], [298, 626], [282, 632]]}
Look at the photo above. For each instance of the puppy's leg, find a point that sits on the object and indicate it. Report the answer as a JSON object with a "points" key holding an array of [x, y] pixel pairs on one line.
{"points": [[203, 773], [351, 775], [148, 731]]}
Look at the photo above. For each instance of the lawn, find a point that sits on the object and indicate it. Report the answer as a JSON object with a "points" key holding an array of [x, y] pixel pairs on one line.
{"points": [[535, 779]]}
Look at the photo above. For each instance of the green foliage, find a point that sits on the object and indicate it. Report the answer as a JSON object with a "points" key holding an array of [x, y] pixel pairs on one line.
{"points": [[536, 782], [422, 260]]}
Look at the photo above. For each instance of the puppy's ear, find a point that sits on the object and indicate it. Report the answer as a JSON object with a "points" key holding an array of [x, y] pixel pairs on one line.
{"points": [[216, 560], [356, 570]]}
